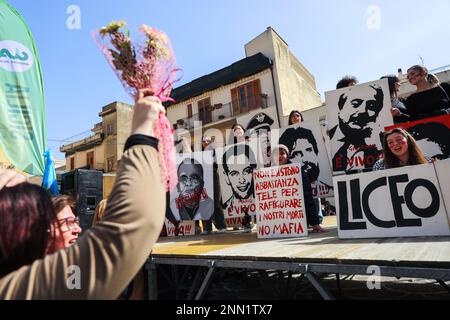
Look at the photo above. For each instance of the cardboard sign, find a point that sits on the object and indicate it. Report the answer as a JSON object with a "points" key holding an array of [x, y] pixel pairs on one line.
{"points": [[357, 117], [185, 228], [402, 202], [432, 135], [279, 202], [307, 147], [236, 165], [193, 197]]}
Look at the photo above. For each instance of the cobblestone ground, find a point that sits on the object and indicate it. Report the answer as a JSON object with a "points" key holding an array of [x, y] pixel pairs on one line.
{"points": [[240, 285]]}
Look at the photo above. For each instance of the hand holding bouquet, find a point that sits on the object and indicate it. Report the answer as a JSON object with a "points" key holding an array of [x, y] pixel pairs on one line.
{"points": [[150, 66]]}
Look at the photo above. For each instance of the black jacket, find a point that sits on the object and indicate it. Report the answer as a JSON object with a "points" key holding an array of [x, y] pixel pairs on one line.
{"points": [[312, 214], [430, 103]]}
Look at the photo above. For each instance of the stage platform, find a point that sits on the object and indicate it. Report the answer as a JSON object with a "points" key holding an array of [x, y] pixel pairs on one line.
{"points": [[323, 253]]}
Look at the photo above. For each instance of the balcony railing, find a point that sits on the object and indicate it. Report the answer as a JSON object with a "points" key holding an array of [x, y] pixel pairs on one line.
{"points": [[219, 112]]}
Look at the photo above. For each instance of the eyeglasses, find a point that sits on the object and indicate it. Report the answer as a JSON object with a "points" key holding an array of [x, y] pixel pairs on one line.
{"points": [[72, 224]]}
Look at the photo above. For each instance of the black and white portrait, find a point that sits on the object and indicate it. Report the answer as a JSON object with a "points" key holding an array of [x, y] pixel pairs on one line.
{"points": [[236, 165], [258, 126], [192, 197], [357, 117], [432, 136], [306, 147]]}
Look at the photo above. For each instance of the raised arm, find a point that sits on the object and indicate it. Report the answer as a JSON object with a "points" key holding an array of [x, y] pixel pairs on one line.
{"points": [[110, 254]]}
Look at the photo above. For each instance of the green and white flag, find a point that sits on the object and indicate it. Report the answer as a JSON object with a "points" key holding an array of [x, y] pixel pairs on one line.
{"points": [[22, 111]]}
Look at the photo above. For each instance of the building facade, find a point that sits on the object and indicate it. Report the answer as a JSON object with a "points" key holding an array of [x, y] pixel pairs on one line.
{"points": [[102, 150], [270, 78]]}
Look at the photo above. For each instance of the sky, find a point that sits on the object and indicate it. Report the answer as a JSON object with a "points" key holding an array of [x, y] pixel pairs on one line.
{"points": [[331, 38]]}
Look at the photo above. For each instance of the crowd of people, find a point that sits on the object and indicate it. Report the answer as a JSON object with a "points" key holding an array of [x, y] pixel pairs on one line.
{"points": [[39, 236], [399, 147]]}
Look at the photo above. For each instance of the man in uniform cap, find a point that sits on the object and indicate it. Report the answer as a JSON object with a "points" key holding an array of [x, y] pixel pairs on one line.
{"points": [[260, 125]]}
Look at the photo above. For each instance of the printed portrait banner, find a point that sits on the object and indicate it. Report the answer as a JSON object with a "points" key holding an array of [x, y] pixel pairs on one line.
{"points": [[22, 110], [185, 228], [402, 202], [193, 197], [443, 174], [307, 147], [280, 203], [236, 164], [258, 126], [432, 135], [357, 117]]}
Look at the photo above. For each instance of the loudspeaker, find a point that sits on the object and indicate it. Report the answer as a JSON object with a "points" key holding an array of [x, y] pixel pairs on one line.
{"points": [[86, 187]]}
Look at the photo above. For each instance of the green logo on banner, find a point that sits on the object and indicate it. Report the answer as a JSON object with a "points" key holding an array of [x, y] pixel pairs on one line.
{"points": [[15, 57]]}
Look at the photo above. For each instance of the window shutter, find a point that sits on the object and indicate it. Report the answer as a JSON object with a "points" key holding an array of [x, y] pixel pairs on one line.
{"points": [[189, 110], [235, 101], [257, 93]]}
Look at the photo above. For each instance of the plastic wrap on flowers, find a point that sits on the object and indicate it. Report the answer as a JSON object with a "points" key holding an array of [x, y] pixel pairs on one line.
{"points": [[151, 65]]}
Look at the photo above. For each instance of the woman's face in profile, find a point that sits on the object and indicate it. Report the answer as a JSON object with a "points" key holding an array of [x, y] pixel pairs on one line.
{"points": [[66, 229]]}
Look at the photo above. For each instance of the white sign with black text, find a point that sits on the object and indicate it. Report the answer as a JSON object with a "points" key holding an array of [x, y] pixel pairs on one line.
{"points": [[402, 202]]}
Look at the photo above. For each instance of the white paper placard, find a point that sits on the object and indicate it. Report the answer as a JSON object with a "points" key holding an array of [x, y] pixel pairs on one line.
{"points": [[402, 202], [279, 202], [185, 228], [193, 197], [236, 164], [357, 117], [307, 147]]}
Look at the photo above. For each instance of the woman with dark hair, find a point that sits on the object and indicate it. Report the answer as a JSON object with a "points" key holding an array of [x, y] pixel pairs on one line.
{"points": [[295, 117], [27, 230], [399, 150], [398, 107], [431, 98], [111, 253], [347, 81]]}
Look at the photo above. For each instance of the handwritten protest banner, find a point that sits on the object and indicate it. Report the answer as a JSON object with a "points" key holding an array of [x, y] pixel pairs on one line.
{"points": [[279, 202], [185, 228]]}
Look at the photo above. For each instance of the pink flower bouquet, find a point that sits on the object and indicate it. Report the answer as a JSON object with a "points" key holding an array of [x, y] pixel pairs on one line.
{"points": [[151, 65]]}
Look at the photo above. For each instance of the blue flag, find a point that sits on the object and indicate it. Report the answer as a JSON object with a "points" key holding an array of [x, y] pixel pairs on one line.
{"points": [[50, 182]]}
